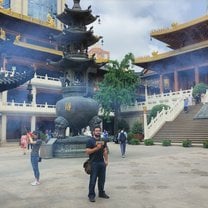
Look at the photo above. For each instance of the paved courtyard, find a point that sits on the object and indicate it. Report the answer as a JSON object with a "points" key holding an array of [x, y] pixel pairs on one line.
{"points": [[149, 177]]}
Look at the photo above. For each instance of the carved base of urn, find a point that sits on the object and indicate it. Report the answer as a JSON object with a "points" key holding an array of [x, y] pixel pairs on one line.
{"points": [[70, 147]]}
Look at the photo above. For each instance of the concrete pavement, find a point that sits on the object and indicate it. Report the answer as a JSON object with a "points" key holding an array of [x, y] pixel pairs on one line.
{"points": [[149, 177]]}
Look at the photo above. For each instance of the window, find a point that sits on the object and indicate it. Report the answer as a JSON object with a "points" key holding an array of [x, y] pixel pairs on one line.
{"points": [[40, 8], [6, 4]]}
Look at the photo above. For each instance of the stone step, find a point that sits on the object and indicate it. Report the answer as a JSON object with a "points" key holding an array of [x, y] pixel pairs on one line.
{"points": [[184, 127]]}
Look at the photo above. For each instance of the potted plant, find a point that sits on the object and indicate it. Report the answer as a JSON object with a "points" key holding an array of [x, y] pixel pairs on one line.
{"points": [[138, 131]]}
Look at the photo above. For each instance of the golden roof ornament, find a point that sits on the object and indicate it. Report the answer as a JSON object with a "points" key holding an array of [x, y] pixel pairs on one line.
{"points": [[154, 53], [50, 20], [2, 34], [174, 24], [17, 38]]}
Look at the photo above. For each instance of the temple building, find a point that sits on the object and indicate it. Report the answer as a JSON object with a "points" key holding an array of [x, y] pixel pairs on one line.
{"points": [[169, 79], [185, 65], [25, 44]]}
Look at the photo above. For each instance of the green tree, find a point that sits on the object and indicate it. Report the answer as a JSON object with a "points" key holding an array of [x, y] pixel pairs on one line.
{"points": [[117, 88]]}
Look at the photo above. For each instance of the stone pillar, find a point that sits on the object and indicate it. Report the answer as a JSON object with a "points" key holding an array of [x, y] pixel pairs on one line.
{"points": [[161, 83], [34, 93], [146, 94], [145, 123], [33, 123], [4, 97], [196, 73], [3, 127], [4, 63], [176, 87]]}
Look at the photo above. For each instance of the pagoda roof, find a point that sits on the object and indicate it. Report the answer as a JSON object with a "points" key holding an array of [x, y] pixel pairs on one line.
{"points": [[180, 35], [76, 15], [74, 35], [167, 59], [78, 62], [23, 24]]}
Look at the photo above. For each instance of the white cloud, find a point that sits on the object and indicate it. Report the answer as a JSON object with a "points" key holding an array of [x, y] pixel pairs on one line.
{"points": [[126, 25]]}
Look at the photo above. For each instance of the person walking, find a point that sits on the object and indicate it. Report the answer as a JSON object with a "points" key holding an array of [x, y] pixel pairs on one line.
{"points": [[122, 138], [97, 151], [185, 108], [36, 141]]}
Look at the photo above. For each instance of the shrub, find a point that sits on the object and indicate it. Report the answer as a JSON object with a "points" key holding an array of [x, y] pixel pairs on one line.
{"points": [[134, 142], [166, 142], [205, 144], [199, 89], [148, 142], [137, 128], [187, 143], [130, 136], [155, 109]]}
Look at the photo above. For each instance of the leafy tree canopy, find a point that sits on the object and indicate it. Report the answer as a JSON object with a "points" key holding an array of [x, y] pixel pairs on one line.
{"points": [[118, 86]]}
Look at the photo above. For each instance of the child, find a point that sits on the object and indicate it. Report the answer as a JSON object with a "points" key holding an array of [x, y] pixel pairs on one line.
{"points": [[24, 142]]}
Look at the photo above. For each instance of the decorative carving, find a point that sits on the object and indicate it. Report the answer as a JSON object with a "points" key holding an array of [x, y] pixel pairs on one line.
{"points": [[17, 39], [60, 127], [95, 121], [2, 34], [174, 24], [155, 53], [50, 20]]}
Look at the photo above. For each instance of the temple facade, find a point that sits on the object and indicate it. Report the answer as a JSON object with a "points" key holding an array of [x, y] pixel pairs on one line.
{"points": [[25, 44], [185, 65]]}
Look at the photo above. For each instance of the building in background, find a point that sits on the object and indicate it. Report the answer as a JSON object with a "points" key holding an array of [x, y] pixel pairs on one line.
{"points": [[25, 44], [185, 65]]}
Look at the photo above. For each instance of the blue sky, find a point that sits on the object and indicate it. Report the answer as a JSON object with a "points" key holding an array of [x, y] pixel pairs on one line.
{"points": [[126, 24]]}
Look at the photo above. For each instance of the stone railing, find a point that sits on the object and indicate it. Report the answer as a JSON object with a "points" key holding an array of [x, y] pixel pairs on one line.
{"points": [[162, 117], [28, 108], [46, 81], [165, 98]]}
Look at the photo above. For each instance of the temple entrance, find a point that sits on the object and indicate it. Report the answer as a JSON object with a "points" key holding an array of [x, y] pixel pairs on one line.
{"points": [[168, 82], [186, 79], [203, 74]]}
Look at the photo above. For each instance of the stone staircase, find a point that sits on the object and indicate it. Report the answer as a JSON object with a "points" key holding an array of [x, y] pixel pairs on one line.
{"points": [[184, 127]]}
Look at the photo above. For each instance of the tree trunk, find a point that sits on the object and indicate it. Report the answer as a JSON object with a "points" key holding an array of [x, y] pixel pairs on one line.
{"points": [[116, 118]]}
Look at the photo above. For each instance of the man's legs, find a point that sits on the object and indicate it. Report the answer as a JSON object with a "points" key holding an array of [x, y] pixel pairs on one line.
{"points": [[101, 177], [122, 148], [101, 180], [92, 182]]}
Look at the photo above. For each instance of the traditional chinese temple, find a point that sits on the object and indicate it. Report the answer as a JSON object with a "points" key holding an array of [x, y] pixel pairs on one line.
{"points": [[185, 64], [25, 45], [169, 78]]}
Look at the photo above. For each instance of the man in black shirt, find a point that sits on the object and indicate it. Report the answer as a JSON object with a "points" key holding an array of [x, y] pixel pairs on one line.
{"points": [[97, 151]]}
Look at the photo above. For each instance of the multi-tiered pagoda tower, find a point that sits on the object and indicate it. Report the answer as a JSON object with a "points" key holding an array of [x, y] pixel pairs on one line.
{"points": [[76, 110]]}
